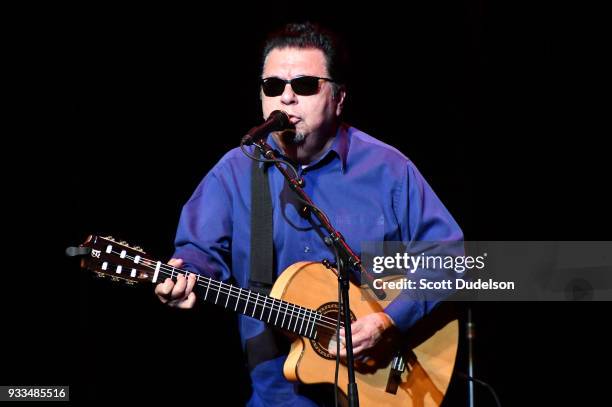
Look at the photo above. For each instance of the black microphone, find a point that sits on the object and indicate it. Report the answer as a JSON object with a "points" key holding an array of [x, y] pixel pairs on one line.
{"points": [[278, 120]]}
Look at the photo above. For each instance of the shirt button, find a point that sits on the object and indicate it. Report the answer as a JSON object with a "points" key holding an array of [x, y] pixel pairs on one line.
{"points": [[306, 249]]}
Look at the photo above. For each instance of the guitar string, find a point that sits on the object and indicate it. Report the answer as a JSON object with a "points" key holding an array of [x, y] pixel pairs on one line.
{"points": [[230, 288], [227, 289], [266, 302]]}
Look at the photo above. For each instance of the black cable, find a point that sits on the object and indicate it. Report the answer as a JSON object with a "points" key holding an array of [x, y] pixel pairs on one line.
{"points": [[263, 160], [482, 383]]}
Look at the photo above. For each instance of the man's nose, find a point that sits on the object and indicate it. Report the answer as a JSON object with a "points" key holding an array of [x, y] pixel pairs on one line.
{"points": [[288, 97]]}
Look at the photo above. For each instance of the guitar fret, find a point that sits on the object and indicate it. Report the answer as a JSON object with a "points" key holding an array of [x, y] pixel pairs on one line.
{"points": [[278, 312], [309, 313], [307, 320], [290, 317], [246, 303], [313, 325], [302, 324], [238, 299], [284, 313], [207, 288], [263, 308], [271, 309], [228, 296], [304, 317], [255, 307], [296, 318], [218, 292], [314, 322]]}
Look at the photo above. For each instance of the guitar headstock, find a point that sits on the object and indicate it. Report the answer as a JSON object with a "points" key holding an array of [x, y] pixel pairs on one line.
{"points": [[118, 260]]}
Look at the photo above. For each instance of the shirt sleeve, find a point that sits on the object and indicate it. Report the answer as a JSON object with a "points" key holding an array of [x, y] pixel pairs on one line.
{"points": [[203, 237], [422, 217]]}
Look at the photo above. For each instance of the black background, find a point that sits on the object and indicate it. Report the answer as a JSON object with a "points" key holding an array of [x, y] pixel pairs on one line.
{"points": [[126, 110]]}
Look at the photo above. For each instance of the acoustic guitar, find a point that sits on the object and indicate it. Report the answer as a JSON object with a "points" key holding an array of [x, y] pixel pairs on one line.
{"points": [[401, 370]]}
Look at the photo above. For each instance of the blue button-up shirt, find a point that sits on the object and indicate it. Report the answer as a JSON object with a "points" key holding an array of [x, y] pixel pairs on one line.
{"points": [[370, 192]]}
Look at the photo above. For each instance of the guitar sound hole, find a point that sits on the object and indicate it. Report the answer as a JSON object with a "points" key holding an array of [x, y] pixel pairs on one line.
{"points": [[326, 330]]}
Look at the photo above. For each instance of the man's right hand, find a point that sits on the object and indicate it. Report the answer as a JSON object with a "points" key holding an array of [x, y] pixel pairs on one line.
{"points": [[179, 294]]}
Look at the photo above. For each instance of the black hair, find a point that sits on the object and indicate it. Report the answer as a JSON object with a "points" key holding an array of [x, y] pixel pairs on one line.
{"points": [[311, 35]]}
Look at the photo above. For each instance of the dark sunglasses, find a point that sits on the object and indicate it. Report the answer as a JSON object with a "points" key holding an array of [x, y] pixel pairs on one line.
{"points": [[303, 85]]}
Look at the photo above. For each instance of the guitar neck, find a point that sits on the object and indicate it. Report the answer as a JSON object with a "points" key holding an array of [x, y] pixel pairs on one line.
{"points": [[122, 262]]}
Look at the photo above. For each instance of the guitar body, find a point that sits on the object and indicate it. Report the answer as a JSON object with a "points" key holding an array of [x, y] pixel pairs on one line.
{"points": [[429, 365]]}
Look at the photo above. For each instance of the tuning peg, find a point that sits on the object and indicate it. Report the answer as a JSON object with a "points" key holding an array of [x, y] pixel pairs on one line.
{"points": [[139, 249], [109, 238], [100, 275], [130, 282]]}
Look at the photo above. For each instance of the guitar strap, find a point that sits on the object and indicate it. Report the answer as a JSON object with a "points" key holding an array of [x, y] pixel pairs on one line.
{"points": [[262, 245], [269, 344]]}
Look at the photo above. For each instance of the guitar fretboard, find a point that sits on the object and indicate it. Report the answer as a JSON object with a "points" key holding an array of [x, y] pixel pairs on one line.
{"points": [[282, 314]]}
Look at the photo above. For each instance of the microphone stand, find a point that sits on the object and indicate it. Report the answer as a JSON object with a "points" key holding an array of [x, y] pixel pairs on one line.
{"points": [[347, 260]]}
